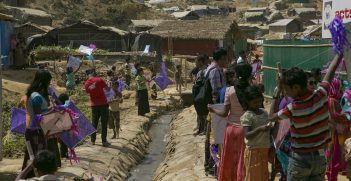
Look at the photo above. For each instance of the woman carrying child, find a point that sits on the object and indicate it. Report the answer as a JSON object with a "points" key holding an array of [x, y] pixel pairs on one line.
{"points": [[257, 136]]}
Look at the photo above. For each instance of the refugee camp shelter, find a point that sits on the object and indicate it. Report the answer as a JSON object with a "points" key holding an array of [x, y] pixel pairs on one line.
{"points": [[286, 26], [171, 10], [86, 32], [303, 13], [256, 14], [204, 10], [6, 29], [29, 29], [141, 40], [254, 31], [186, 15], [200, 36], [25, 15], [263, 10], [313, 22], [144, 25]]}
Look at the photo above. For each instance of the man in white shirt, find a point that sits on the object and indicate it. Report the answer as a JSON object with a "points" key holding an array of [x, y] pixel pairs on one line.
{"points": [[242, 58]]}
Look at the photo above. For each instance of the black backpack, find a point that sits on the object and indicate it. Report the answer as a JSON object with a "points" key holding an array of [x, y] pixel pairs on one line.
{"points": [[202, 92]]}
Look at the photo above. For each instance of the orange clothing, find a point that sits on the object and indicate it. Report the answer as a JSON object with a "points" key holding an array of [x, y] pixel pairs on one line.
{"points": [[256, 164]]}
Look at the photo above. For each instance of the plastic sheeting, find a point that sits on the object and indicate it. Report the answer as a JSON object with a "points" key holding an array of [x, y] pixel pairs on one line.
{"points": [[305, 55], [6, 30]]}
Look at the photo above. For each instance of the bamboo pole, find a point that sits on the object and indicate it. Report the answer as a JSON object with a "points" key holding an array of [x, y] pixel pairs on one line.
{"points": [[297, 46], [276, 69]]}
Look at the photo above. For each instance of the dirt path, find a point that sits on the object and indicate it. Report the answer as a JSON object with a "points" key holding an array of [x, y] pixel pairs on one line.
{"points": [[117, 160], [184, 152]]}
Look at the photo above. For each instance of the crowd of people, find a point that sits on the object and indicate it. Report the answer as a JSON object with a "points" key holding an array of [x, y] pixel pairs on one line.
{"points": [[310, 149], [105, 99], [314, 142]]}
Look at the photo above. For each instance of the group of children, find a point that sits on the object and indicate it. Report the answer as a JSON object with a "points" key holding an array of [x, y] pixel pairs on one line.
{"points": [[315, 138]]}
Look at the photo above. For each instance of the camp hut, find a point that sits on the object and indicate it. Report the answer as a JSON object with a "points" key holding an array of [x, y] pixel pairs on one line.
{"points": [[6, 29], [29, 29], [86, 32], [286, 26], [144, 25], [263, 10], [313, 22], [186, 15], [303, 13], [254, 31], [171, 10], [30, 15], [200, 36]]}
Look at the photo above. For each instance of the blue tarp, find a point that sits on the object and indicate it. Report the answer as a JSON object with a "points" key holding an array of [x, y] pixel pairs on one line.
{"points": [[6, 30]]}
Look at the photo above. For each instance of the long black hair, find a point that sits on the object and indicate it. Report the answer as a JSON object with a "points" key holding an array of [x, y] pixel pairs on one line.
{"points": [[40, 84], [252, 93], [243, 74]]}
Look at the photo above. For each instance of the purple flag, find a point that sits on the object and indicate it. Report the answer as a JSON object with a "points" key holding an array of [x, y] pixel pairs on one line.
{"points": [[84, 128], [162, 80], [121, 85], [18, 121]]}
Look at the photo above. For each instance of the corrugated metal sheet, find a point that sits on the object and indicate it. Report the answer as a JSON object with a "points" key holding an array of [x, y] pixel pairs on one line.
{"points": [[293, 53], [6, 29]]}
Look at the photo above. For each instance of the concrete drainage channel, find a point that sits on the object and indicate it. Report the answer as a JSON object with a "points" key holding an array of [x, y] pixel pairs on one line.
{"points": [[155, 151]]}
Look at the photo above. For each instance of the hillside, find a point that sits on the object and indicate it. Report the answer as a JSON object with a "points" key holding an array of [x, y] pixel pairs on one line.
{"points": [[118, 13], [102, 12]]}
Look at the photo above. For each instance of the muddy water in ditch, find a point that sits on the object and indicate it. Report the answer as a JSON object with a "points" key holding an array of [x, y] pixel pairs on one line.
{"points": [[145, 170]]}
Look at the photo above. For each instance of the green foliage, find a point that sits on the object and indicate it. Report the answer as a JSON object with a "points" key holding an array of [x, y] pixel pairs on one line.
{"points": [[57, 52], [50, 52]]}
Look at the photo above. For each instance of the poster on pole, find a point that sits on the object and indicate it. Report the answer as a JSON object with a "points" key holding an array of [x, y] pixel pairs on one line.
{"points": [[332, 8]]}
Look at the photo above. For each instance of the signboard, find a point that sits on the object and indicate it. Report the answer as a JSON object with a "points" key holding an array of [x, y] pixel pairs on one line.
{"points": [[332, 8]]}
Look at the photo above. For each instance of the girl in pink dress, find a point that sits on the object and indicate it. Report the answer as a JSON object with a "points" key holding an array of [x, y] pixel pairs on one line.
{"points": [[231, 167]]}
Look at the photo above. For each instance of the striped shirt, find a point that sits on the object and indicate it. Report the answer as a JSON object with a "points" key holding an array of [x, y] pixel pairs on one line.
{"points": [[309, 120], [216, 77]]}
